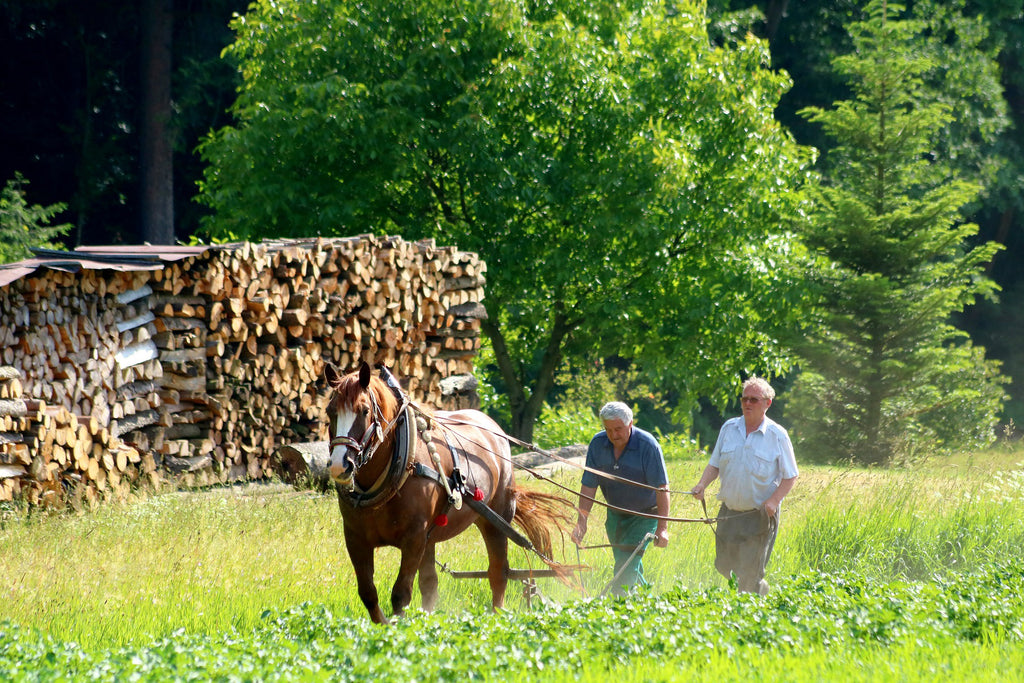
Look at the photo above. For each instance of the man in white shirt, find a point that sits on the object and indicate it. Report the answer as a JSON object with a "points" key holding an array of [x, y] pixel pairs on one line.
{"points": [[754, 459]]}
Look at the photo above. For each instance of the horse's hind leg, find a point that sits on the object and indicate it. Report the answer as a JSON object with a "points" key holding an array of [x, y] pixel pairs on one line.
{"points": [[497, 562], [428, 579]]}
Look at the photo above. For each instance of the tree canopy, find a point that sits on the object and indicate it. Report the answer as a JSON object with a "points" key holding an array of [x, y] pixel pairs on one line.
{"points": [[625, 180]]}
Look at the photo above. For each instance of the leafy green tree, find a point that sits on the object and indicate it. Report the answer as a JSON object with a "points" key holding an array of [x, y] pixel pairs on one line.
{"points": [[23, 226], [884, 370], [624, 180]]}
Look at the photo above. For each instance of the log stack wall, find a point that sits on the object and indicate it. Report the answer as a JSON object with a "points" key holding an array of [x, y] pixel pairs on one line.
{"points": [[195, 371]]}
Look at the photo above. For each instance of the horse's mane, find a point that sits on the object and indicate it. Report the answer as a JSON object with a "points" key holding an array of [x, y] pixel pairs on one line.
{"points": [[348, 391]]}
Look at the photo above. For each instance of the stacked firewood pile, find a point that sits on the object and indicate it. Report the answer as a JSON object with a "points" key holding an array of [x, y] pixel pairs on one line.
{"points": [[63, 335], [46, 452], [198, 369]]}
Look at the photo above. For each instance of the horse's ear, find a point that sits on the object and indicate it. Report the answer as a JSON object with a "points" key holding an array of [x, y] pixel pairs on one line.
{"points": [[364, 375], [331, 375]]}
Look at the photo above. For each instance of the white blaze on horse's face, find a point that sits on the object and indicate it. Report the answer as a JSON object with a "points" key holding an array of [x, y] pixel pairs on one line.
{"points": [[342, 468]]}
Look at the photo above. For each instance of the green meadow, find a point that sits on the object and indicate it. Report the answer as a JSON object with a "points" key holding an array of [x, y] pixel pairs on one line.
{"points": [[913, 574]]}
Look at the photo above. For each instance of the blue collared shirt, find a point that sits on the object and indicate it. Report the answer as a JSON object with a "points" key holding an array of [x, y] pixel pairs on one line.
{"points": [[641, 461]]}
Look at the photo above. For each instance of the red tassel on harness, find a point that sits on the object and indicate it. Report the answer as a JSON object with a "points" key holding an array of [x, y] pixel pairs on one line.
{"points": [[478, 494], [441, 520]]}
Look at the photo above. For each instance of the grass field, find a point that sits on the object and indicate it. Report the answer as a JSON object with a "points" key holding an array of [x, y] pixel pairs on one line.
{"points": [[877, 574]]}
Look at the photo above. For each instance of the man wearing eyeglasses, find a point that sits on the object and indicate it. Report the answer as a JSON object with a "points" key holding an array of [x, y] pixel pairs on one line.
{"points": [[754, 460]]}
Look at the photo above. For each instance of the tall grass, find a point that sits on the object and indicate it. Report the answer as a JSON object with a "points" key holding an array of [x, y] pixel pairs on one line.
{"points": [[904, 524], [209, 562], [202, 562]]}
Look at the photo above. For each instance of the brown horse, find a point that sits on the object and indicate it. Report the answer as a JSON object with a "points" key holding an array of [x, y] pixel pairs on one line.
{"points": [[390, 494]]}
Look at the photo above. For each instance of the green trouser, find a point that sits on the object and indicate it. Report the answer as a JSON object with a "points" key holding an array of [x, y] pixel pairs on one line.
{"points": [[625, 532]]}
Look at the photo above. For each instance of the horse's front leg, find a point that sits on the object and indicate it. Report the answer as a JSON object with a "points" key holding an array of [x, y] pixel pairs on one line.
{"points": [[362, 561], [412, 556], [428, 579]]}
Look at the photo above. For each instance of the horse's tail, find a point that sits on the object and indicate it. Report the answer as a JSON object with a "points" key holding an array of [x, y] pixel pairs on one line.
{"points": [[538, 514]]}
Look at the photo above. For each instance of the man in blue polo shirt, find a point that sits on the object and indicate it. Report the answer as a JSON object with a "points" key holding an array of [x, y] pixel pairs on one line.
{"points": [[629, 454]]}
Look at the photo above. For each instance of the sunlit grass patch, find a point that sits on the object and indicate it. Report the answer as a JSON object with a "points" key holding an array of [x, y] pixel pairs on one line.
{"points": [[206, 578]]}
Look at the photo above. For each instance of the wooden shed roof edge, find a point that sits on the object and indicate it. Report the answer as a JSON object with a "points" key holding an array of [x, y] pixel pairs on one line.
{"points": [[119, 257], [128, 257]]}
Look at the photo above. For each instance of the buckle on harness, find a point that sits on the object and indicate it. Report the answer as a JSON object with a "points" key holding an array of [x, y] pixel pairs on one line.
{"points": [[458, 480], [457, 489]]}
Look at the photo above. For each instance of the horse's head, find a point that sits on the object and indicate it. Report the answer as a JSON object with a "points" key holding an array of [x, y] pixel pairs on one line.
{"points": [[360, 407]]}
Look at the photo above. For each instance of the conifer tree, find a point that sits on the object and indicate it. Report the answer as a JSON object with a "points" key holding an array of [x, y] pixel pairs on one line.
{"points": [[23, 226], [885, 373]]}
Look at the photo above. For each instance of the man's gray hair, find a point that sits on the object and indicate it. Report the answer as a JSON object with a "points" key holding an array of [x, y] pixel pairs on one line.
{"points": [[761, 385], [616, 410]]}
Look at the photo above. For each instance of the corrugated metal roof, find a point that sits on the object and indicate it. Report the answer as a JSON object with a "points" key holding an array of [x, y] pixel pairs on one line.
{"points": [[119, 257]]}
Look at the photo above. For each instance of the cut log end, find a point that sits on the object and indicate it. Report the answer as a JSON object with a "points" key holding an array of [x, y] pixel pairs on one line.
{"points": [[303, 465]]}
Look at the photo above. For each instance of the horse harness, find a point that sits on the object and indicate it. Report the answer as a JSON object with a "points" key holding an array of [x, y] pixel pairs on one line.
{"points": [[474, 500], [397, 471], [455, 487], [406, 426]]}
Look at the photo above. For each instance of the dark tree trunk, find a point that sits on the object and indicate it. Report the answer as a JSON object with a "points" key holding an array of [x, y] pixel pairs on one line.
{"points": [[156, 153], [772, 16], [527, 407]]}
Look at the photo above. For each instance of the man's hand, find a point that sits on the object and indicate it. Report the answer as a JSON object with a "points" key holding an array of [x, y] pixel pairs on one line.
{"points": [[772, 505], [709, 475], [580, 531], [661, 538]]}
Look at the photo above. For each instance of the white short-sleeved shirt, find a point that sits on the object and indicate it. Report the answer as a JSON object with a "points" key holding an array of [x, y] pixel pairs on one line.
{"points": [[751, 467]]}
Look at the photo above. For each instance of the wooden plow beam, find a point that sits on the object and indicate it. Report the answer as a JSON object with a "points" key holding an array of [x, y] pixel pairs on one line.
{"points": [[528, 577], [511, 574]]}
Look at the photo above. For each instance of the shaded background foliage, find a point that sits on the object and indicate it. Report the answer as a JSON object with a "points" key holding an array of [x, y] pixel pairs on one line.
{"points": [[806, 36], [883, 372], [70, 91]]}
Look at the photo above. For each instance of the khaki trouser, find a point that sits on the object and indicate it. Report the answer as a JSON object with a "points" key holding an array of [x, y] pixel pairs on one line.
{"points": [[743, 546]]}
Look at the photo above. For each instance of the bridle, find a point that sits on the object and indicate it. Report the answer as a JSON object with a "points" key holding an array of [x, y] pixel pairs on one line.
{"points": [[366, 447]]}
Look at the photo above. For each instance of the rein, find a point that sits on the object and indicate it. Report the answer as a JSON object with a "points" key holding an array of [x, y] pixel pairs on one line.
{"points": [[698, 520], [564, 461]]}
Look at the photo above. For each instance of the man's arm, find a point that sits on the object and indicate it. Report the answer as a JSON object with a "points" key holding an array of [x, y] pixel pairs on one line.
{"points": [[771, 506], [587, 494], [663, 509], [710, 474]]}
